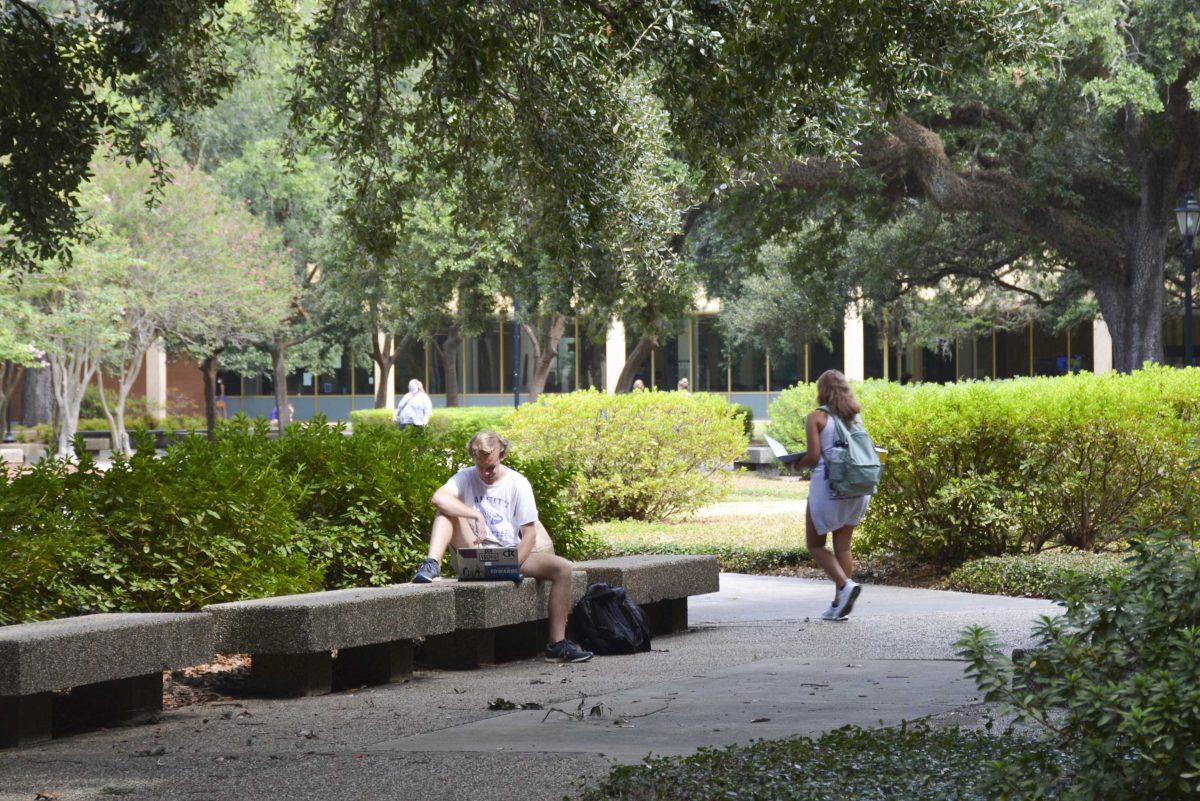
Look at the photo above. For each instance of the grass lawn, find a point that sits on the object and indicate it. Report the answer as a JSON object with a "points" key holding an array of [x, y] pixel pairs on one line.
{"points": [[746, 543]]}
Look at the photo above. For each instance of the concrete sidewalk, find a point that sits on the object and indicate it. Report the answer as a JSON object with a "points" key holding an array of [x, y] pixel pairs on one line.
{"points": [[756, 663]]}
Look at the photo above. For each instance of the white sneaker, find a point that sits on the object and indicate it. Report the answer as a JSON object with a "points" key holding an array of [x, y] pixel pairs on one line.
{"points": [[846, 597], [830, 613]]}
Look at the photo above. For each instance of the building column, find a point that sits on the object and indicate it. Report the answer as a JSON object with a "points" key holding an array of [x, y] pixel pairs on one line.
{"points": [[390, 385], [156, 380], [1102, 347], [614, 355], [853, 343]]}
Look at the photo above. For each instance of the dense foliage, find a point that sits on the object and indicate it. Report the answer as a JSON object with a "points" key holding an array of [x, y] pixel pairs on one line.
{"points": [[1115, 680], [1049, 574], [645, 455], [240, 516], [893, 764], [1000, 467]]}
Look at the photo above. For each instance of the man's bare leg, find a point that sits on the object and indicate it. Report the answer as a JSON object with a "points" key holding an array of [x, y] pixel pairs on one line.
{"points": [[557, 571]]}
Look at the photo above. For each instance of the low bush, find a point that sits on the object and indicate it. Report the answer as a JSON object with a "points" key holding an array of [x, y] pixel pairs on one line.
{"points": [[239, 516], [746, 415], [1000, 467], [1115, 681], [753, 544], [643, 455], [904, 763], [1048, 574], [447, 425]]}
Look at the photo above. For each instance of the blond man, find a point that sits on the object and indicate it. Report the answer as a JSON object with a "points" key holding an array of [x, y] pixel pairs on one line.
{"points": [[491, 504]]}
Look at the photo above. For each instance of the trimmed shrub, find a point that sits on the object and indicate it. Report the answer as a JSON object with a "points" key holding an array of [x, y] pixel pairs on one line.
{"points": [[1000, 467], [1048, 574], [746, 415], [240, 516], [904, 763], [643, 455], [1115, 680], [446, 425]]}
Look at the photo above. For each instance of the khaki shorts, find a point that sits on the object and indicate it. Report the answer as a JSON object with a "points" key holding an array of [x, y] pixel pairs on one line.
{"points": [[543, 543]]}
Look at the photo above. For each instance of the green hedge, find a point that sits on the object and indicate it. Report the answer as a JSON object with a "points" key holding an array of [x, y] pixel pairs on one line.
{"points": [[642, 455], [240, 516], [905, 763], [999, 467], [448, 425], [1049, 574]]}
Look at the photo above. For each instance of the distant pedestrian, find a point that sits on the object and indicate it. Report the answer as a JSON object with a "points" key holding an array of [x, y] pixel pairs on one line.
{"points": [[682, 386], [826, 512], [220, 404], [414, 408], [639, 385]]}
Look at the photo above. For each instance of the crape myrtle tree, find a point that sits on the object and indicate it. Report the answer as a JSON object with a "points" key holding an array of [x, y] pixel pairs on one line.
{"points": [[1080, 160], [78, 322]]}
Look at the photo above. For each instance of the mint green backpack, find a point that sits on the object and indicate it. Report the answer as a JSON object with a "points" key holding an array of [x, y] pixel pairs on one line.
{"points": [[852, 466]]}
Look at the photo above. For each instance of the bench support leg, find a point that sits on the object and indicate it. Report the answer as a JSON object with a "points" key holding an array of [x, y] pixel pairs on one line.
{"points": [[119, 699], [25, 719], [461, 650], [522, 640], [669, 616], [292, 675], [373, 664]]}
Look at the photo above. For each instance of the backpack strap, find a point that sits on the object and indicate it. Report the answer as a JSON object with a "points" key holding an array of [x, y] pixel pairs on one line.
{"points": [[841, 434]]}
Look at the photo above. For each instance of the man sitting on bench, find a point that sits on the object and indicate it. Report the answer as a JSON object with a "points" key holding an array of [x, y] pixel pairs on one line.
{"points": [[489, 504]]}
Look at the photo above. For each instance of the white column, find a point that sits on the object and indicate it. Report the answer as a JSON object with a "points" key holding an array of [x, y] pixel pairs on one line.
{"points": [[614, 355], [852, 344], [389, 384], [156, 380], [1102, 347]]}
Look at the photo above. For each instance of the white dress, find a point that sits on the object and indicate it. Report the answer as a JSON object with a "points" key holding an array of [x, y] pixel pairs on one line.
{"points": [[829, 513]]}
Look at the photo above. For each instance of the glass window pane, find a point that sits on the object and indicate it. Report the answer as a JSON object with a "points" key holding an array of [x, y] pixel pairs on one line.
{"points": [[872, 350], [437, 368], [592, 354], [643, 371], [483, 361], [787, 370], [1082, 354], [749, 373], [337, 382], [672, 361], [1049, 352], [710, 363], [410, 364], [1012, 353]]}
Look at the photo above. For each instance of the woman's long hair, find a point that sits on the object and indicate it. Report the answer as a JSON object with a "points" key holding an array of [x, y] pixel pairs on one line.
{"points": [[834, 393]]}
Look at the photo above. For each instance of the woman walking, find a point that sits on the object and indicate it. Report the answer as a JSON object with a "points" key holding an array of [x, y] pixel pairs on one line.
{"points": [[414, 408], [828, 513]]}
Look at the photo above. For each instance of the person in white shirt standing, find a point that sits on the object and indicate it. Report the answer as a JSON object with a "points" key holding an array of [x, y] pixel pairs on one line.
{"points": [[414, 408], [490, 504]]}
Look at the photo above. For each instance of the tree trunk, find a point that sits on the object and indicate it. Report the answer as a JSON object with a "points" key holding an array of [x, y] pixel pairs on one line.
{"points": [[449, 348], [37, 398], [10, 376], [279, 363], [547, 354], [208, 372], [641, 351], [383, 353], [1131, 299]]}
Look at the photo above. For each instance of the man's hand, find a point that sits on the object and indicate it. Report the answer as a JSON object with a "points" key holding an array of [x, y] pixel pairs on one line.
{"points": [[478, 527]]}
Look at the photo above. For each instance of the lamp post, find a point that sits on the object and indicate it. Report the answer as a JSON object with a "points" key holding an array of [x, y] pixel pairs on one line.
{"points": [[1188, 218], [516, 373]]}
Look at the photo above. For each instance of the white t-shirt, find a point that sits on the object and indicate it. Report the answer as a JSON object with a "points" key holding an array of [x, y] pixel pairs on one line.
{"points": [[506, 505]]}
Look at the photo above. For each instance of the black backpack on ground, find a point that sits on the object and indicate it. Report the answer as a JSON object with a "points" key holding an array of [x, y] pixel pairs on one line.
{"points": [[607, 622]]}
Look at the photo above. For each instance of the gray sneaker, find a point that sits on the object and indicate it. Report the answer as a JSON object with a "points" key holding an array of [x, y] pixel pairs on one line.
{"points": [[427, 572], [566, 651]]}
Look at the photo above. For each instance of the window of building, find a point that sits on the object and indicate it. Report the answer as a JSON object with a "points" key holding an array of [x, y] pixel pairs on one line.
{"points": [[787, 369], [410, 364], [592, 354], [1050, 352], [937, 364], [643, 373], [1081, 348], [873, 354], [748, 371], [437, 367], [1012, 352], [301, 383], [822, 357], [232, 380], [483, 361], [711, 375], [338, 381], [673, 359]]}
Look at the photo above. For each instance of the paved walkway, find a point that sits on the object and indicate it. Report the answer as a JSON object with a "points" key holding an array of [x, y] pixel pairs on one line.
{"points": [[756, 663]]}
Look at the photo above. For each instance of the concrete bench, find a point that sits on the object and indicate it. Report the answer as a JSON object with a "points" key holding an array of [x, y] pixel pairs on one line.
{"points": [[12, 455], [112, 663], [659, 584], [291, 638], [496, 621]]}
